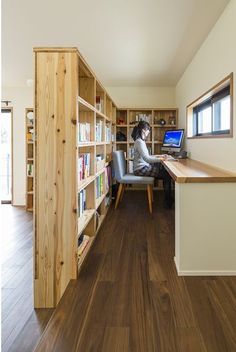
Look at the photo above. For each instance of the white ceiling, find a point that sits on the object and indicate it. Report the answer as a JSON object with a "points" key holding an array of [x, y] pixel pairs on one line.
{"points": [[126, 42]]}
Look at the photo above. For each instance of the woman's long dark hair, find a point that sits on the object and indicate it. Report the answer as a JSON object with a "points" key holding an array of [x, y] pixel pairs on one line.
{"points": [[137, 131]]}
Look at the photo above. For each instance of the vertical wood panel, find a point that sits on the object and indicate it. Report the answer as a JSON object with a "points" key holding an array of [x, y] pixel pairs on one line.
{"points": [[56, 91]]}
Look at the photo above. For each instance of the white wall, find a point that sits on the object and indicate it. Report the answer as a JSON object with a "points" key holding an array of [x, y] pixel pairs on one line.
{"points": [[145, 97], [214, 60], [21, 98]]}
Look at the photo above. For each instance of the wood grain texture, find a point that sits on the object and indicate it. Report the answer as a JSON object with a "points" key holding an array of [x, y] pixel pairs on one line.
{"points": [[21, 325], [193, 171], [128, 296], [56, 199]]}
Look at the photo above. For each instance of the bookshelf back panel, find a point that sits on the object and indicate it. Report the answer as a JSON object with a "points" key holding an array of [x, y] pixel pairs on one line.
{"points": [[87, 89], [90, 228], [137, 115], [121, 117], [30, 184], [108, 107], [169, 116]]}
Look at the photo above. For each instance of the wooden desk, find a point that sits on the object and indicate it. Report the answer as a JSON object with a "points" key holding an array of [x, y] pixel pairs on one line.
{"points": [[205, 218]]}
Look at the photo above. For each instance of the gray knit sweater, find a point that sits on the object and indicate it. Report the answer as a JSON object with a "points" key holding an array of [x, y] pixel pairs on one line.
{"points": [[141, 155]]}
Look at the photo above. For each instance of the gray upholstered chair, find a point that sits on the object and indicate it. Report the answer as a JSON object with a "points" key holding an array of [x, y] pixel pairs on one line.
{"points": [[119, 165]]}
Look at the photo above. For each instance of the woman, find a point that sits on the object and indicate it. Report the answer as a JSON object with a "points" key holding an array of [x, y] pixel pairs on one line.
{"points": [[148, 165]]}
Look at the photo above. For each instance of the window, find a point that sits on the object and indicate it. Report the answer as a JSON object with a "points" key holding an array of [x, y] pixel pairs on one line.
{"points": [[211, 114]]}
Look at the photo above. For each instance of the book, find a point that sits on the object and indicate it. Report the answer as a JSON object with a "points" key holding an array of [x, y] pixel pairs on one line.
{"points": [[82, 202], [99, 186], [107, 134], [98, 131], [84, 132], [84, 166]]}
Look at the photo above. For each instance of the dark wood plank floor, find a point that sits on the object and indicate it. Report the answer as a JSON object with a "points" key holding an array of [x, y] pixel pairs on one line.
{"points": [[22, 326], [129, 297]]}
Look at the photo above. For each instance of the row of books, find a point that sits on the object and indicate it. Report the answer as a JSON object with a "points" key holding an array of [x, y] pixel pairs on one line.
{"points": [[84, 132], [83, 166], [82, 201], [98, 132], [30, 170], [131, 152], [99, 186], [108, 178], [131, 166], [107, 134], [83, 241]]}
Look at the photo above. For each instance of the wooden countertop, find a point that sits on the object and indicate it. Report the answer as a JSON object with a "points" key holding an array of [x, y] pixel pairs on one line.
{"points": [[193, 171]]}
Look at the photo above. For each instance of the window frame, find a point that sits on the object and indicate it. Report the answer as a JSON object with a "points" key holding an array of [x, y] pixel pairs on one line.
{"points": [[219, 91]]}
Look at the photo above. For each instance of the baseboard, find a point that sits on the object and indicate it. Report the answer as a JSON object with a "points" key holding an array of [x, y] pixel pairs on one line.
{"points": [[203, 272]]}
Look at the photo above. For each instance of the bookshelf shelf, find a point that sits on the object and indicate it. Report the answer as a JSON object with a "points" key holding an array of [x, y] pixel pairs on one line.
{"points": [[29, 137], [126, 119], [85, 144], [85, 252], [84, 105], [84, 219], [99, 200], [85, 183], [76, 152]]}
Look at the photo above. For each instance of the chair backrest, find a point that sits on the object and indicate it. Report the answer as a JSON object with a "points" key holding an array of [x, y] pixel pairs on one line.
{"points": [[119, 164]]}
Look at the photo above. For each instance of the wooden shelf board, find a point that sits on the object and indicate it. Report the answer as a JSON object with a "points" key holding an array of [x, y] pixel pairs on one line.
{"points": [[157, 142], [100, 171], [30, 142], [30, 192], [85, 252], [84, 105], [30, 176], [84, 219], [121, 142], [30, 159], [99, 113], [121, 125], [100, 143], [30, 209], [164, 126], [99, 200], [101, 219], [85, 183], [85, 144]]}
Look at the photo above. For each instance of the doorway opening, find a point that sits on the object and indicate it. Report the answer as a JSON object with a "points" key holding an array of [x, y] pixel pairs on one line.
{"points": [[6, 156]]}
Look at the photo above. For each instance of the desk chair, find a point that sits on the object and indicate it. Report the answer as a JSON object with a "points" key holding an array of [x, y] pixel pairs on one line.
{"points": [[123, 178]]}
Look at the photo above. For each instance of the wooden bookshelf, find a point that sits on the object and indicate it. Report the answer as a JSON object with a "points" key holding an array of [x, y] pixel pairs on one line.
{"points": [[74, 123], [125, 122], [29, 151]]}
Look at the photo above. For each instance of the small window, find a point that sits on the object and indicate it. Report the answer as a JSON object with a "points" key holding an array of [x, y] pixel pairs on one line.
{"points": [[211, 114]]}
